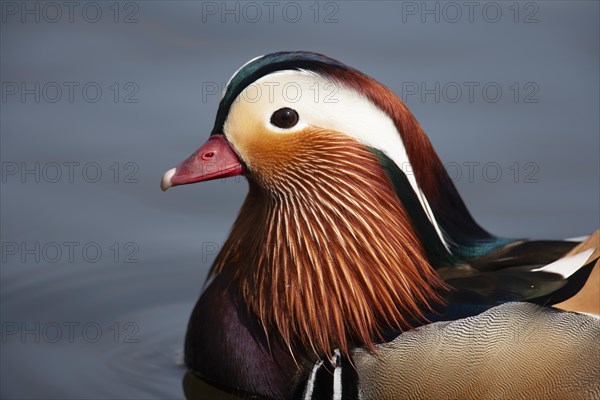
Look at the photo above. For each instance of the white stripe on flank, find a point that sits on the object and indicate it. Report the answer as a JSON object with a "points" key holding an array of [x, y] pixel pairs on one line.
{"points": [[577, 239], [310, 385], [337, 375], [567, 266], [337, 383]]}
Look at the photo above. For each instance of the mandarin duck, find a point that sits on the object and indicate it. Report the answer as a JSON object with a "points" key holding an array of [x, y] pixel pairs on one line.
{"points": [[354, 269]]}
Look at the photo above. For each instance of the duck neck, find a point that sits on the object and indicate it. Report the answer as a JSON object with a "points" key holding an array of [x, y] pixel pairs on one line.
{"points": [[327, 257]]}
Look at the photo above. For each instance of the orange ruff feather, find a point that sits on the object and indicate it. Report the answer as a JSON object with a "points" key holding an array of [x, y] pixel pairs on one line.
{"points": [[323, 251]]}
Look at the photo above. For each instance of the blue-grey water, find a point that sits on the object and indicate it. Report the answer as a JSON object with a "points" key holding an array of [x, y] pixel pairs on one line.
{"points": [[100, 269]]}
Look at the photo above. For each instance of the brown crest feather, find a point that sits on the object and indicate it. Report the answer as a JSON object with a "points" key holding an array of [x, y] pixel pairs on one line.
{"points": [[426, 164], [323, 251]]}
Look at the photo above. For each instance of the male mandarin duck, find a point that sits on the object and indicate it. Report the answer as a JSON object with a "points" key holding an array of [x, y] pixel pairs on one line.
{"points": [[354, 269]]}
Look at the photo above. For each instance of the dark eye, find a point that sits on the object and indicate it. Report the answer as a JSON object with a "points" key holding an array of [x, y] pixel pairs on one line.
{"points": [[284, 118]]}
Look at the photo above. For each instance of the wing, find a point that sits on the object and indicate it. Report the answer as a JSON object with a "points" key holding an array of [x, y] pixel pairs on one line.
{"points": [[517, 272]]}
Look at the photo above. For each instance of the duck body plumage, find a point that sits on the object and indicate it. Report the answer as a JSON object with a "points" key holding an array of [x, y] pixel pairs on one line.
{"points": [[512, 351], [487, 351]]}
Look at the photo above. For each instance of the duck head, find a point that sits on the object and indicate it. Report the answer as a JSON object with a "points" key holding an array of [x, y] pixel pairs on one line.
{"points": [[348, 204]]}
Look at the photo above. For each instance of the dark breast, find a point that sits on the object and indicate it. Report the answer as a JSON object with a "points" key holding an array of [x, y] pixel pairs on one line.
{"points": [[225, 346]]}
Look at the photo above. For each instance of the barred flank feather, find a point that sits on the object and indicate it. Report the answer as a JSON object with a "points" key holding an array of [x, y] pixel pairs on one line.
{"points": [[322, 249]]}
